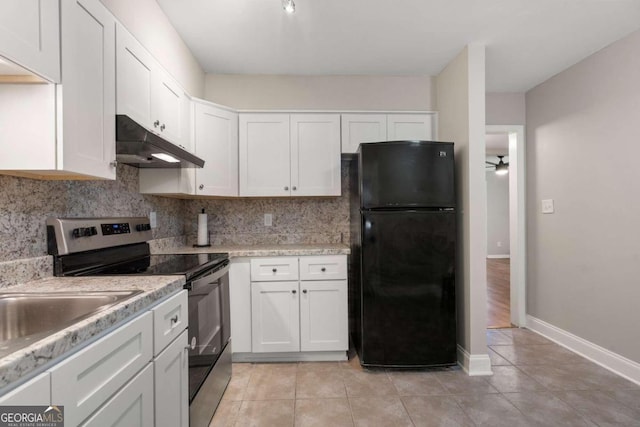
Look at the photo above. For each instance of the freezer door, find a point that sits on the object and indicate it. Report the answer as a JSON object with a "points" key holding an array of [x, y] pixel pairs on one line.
{"points": [[407, 174], [408, 289]]}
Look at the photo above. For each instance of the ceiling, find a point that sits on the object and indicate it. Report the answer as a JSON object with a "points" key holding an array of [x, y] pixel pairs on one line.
{"points": [[496, 143], [527, 41]]}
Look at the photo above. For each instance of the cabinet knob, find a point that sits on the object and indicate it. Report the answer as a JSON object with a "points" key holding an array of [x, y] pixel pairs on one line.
{"points": [[294, 188], [323, 269], [304, 291], [293, 291], [286, 188], [162, 127], [113, 164], [201, 186], [156, 123], [274, 270]]}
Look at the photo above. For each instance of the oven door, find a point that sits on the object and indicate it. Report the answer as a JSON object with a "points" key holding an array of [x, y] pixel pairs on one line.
{"points": [[209, 321]]}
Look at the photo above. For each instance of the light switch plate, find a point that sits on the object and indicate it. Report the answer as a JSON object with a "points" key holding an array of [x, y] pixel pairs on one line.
{"points": [[547, 206], [268, 220], [153, 219]]}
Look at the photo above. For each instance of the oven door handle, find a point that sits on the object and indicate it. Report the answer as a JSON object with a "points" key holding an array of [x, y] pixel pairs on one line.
{"points": [[210, 279]]}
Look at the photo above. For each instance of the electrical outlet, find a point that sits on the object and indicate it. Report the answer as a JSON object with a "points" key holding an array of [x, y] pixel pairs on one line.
{"points": [[268, 220], [153, 219], [547, 206]]}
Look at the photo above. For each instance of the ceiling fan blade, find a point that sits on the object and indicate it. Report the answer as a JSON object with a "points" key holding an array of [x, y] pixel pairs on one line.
{"points": [[490, 163]]}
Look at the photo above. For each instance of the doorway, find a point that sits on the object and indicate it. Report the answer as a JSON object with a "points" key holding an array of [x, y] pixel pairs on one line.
{"points": [[507, 303]]}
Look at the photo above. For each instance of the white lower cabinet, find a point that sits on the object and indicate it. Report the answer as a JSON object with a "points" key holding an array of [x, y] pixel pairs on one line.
{"points": [[132, 406], [171, 379], [86, 380], [275, 324], [304, 311], [36, 391]]}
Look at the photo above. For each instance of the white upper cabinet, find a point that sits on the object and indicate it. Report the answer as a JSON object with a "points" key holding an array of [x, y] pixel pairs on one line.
{"points": [[148, 94], [265, 163], [315, 154], [359, 128], [88, 88], [30, 35], [289, 155], [67, 130], [410, 127], [216, 142]]}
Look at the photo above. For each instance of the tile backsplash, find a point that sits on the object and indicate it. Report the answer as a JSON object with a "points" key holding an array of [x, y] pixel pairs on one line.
{"points": [[26, 203]]}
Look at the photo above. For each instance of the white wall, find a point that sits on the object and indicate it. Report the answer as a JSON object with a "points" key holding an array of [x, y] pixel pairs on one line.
{"points": [[321, 92], [505, 108], [148, 23], [461, 105], [497, 213], [583, 151]]}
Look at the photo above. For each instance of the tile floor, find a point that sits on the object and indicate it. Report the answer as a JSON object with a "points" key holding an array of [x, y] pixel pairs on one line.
{"points": [[535, 383]]}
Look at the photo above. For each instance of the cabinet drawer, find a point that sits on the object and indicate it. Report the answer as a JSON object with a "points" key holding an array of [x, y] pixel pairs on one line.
{"points": [[333, 267], [169, 320], [130, 407], [84, 381], [35, 392], [274, 269]]}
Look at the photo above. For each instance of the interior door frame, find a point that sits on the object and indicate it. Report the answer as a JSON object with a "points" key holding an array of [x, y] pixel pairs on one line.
{"points": [[517, 220]]}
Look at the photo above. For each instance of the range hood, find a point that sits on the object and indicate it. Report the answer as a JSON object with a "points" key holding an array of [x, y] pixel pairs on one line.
{"points": [[136, 146]]}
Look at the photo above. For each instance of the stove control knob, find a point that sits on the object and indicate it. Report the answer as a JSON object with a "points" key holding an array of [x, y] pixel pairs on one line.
{"points": [[94, 231], [86, 232], [76, 232], [143, 227]]}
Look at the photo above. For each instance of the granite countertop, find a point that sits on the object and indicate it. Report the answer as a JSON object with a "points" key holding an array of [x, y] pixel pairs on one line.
{"points": [[263, 250], [26, 360]]}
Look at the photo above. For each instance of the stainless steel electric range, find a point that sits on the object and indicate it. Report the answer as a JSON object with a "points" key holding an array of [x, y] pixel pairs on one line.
{"points": [[118, 246]]}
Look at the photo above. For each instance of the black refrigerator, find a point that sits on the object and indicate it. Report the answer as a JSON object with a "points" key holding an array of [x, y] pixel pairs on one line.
{"points": [[403, 245]]}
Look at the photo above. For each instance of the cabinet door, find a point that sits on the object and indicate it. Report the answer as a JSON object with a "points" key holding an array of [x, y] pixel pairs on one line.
{"points": [[315, 154], [29, 35], [323, 316], [216, 142], [275, 317], [134, 69], [130, 407], [240, 304], [168, 108], [171, 372], [264, 155], [85, 381], [357, 128], [88, 90], [34, 392], [402, 127]]}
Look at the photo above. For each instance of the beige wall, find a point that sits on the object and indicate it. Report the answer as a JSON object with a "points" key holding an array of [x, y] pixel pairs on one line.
{"points": [[461, 104], [583, 146], [320, 92], [505, 108], [497, 213], [148, 23]]}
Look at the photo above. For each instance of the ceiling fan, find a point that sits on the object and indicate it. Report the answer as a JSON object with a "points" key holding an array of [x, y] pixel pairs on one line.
{"points": [[501, 167]]}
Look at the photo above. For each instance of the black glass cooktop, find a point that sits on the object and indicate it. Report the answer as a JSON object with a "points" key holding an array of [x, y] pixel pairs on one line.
{"points": [[178, 264]]}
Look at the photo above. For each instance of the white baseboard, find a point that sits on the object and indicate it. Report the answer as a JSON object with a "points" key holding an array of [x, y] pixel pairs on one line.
{"points": [[499, 256], [614, 362], [474, 364]]}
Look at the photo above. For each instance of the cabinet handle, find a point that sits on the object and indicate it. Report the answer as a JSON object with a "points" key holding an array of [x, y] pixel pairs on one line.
{"points": [[174, 319], [162, 127], [286, 188], [113, 163], [323, 269], [293, 291], [304, 291], [274, 270], [201, 186], [294, 188], [156, 123]]}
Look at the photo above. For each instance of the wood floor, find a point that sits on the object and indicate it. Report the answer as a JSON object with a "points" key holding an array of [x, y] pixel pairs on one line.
{"points": [[498, 293]]}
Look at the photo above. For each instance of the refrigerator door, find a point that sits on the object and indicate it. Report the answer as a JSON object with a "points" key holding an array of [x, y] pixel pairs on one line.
{"points": [[409, 174], [408, 307]]}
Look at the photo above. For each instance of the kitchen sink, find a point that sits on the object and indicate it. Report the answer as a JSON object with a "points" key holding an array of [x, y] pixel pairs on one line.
{"points": [[28, 317]]}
